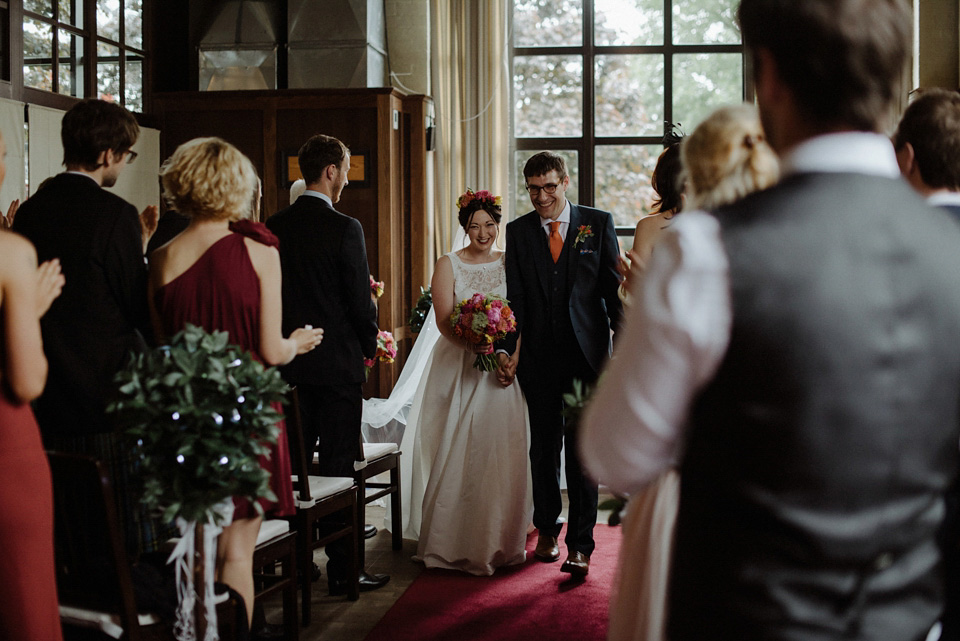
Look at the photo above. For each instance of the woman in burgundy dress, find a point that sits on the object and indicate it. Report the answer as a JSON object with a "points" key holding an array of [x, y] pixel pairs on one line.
{"points": [[223, 273], [28, 586]]}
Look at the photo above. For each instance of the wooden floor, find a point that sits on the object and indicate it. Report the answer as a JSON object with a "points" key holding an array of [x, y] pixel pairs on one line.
{"points": [[336, 618]]}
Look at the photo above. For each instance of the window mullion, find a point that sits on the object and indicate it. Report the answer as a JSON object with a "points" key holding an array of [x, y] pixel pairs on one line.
{"points": [[587, 155]]}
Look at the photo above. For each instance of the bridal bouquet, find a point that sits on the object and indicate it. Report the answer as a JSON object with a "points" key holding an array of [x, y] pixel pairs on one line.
{"points": [[483, 320], [386, 350]]}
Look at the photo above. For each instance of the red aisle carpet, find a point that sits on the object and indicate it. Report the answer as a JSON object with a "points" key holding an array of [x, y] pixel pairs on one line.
{"points": [[529, 602]]}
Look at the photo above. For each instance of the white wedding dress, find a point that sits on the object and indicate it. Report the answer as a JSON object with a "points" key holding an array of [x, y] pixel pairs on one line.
{"points": [[465, 470]]}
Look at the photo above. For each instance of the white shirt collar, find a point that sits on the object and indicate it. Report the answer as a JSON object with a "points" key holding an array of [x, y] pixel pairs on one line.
{"points": [[317, 194], [564, 217], [942, 198], [847, 152], [83, 173]]}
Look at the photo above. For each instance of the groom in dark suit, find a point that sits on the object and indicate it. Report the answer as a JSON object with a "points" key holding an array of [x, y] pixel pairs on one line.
{"points": [[562, 281], [326, 283]]}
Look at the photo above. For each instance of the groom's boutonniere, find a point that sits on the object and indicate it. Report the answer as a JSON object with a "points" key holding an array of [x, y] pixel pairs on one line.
{"points": [[583, 232]]}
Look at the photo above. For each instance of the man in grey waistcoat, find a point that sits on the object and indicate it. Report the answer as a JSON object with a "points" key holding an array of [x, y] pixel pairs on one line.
{"points": [[796, 354]]}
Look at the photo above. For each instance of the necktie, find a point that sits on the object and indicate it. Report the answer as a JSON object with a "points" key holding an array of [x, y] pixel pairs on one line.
{"points": [[556, 241]]}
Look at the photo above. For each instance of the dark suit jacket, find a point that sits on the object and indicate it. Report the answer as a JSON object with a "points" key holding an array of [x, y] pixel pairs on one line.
{"points": [[97, 321], [326, 283], [593, 281]]}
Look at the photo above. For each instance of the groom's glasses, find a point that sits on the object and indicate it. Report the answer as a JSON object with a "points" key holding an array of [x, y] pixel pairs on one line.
{"points": [[534, 190]]}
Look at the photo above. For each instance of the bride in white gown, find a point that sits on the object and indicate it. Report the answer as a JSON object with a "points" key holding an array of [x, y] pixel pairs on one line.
{"points": [[466, 488]]}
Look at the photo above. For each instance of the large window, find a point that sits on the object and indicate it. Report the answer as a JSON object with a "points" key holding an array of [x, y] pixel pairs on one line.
{"points": [[85, 48], [595, 81]]}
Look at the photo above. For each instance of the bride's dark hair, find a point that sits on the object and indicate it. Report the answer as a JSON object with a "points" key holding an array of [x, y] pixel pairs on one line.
{"points": [[471, 203]]}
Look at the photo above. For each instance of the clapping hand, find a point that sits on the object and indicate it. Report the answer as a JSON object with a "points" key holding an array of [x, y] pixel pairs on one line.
{"points": [[6, 221], [307, 338], [630, 268], [50, 283]]}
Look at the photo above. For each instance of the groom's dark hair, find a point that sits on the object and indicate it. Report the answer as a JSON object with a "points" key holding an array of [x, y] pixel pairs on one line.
{"points": [[543, 163]]}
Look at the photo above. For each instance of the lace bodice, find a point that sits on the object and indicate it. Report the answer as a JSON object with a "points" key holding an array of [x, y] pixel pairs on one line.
{"points": [[487, 278]]}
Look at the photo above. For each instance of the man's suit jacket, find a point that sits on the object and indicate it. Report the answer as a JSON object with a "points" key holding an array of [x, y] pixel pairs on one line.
{"points": [[91, 329], [592, 283], [326, 283]]}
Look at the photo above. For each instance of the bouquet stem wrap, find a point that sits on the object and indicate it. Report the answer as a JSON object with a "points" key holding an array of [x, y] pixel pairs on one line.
{"points": [[184, 558]]}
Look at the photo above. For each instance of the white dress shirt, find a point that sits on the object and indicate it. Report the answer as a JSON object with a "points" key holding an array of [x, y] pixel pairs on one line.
{"points": [[317, 194], [944, 198], [563, 219], [678, 328]]}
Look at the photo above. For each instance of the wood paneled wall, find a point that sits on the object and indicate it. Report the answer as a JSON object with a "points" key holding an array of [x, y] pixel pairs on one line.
{"points": [[391, 204]]}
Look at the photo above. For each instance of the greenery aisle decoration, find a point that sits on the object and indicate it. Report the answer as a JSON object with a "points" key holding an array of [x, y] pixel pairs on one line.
{"points": [[199, 413], [418, 315]]}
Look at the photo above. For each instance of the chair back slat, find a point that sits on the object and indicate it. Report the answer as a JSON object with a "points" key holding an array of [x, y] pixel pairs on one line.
{"points": [[93, 571], [298, 455]]}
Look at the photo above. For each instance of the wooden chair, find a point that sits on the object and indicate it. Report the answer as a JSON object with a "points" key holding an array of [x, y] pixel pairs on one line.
{"points": [[377, 459], [93, 573], [318, 497], [277, 545]]}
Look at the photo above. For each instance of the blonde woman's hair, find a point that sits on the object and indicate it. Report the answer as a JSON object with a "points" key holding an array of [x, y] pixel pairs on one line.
{"points": [[727, 157], [208, 178]]}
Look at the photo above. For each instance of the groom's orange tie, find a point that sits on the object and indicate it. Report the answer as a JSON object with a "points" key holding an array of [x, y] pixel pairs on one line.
{"points": [[556, 241]]}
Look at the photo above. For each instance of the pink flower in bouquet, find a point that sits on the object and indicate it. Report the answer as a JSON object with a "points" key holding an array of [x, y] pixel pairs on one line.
{"points": [[376, 287], [483, 320], [386, 350]]}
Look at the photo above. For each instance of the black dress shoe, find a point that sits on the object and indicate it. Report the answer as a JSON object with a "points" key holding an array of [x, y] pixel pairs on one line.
{"points": [[369, 531], [368, 582]]}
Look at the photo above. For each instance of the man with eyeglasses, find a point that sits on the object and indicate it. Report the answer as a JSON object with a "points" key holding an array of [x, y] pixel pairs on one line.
{"points": [[562, 281], [101, 316]]}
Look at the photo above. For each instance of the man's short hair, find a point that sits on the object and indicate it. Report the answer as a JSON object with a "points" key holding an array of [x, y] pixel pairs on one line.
{"points": [[543, 163], [842, 59], [93, 126], [931, 124], [318, 153]]}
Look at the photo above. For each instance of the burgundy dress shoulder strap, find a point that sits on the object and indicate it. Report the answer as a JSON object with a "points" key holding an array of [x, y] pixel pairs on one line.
{"points": [[255, 231]]}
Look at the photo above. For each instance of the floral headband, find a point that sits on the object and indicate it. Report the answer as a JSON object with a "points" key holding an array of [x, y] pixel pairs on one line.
{"points": [[483, 196]]}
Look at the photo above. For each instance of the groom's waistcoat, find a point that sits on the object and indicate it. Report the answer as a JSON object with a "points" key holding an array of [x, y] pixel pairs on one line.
{"points": [[817, 457], [558, 297]]}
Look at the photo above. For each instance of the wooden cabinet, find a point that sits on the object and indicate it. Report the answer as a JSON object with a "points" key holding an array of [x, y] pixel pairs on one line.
{"points": [[384, 126]]}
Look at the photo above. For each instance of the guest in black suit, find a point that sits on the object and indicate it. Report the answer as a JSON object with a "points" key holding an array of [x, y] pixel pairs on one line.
{"points": [[796, 352], [927, 142], [326, 283], [101, 316], [562, 285]]}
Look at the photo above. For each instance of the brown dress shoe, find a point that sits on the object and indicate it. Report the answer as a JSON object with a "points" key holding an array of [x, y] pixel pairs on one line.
{"points": [[547, 549], [577, 564]]}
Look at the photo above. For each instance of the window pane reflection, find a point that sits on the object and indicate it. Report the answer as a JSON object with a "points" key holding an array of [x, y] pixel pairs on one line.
{"points": [[70, 57], [705, 22], [108, 72], [71, 12], [108, 19], [522, 202], [548, 95], [622, 183], [133, 86], [628, 22], [546, 23], [37, 54], [702, 82], [43, 7], [629, 95], [133, 23]]}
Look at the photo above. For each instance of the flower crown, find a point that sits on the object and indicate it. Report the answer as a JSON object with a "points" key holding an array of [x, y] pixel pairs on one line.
{"points": [[483, 196]]}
